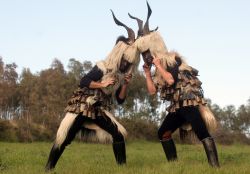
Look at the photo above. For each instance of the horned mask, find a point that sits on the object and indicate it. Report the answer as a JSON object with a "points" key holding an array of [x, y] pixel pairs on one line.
{"points": [[150, 43], [124, 49], [114, 66]]}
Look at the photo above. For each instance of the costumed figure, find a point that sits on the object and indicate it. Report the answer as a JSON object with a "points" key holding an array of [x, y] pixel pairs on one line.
{"points": [[90, 107], [178, 84]]}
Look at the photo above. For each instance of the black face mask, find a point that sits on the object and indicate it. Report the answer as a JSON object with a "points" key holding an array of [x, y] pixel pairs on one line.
{"points": [[124, 66], [147, 57]]}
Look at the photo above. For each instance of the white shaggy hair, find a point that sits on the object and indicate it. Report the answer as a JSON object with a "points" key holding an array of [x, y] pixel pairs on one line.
{"points": [[208, 117], [155, 44], [110, 66], [112, 62]]}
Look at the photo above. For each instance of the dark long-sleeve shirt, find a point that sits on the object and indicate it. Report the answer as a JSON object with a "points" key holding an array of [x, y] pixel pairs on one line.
{"points": [[96, 74]]}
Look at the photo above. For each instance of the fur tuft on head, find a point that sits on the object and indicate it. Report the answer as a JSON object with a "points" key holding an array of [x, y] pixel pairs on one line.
{"points": [[156, 45], [123, 39]]}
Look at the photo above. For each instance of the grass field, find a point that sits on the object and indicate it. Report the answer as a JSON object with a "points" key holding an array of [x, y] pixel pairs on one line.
{"points": [[142, 158]]}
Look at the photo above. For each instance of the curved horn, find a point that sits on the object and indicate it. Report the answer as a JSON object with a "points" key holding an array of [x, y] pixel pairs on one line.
{"points": [[146, 29], [131, 33], [140, 25], [146, 26]]}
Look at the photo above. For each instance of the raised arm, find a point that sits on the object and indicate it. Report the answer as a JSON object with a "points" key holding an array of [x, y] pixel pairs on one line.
{"points": [[167, 76], [150, 84], [122, 91]]}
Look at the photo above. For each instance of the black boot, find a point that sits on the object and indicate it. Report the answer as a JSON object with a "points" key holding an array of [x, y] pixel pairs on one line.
{"points": [[54, 155], [120, 152], [211, 151], [169, 149]]}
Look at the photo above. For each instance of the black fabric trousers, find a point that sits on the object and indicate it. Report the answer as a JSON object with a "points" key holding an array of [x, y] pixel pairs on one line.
{"points": [[103, 122], [188, 114]]}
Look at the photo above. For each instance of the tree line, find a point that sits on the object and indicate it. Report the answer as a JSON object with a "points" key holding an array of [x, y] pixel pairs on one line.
{"points": [[32, 105]]}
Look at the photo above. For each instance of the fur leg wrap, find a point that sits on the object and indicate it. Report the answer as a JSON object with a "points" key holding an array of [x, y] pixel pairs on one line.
{"points": [[54, 155], [169, 149], [211, 151], [67, 130], [120, 152]]}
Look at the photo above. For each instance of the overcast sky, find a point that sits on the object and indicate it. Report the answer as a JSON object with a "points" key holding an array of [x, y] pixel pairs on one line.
{"points": [[213, 36]]}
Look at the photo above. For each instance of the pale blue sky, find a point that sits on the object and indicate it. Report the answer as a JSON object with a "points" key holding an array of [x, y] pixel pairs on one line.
{"points": [[213, 36]]}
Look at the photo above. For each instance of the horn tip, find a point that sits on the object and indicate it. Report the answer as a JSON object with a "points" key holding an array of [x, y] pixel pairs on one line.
{"points": [[130, 15], [149, 8]]}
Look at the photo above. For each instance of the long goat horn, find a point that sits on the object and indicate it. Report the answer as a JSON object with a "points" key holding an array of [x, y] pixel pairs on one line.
{"points": [[131, 33], [146, 26], [140, 25], [146, 29]]}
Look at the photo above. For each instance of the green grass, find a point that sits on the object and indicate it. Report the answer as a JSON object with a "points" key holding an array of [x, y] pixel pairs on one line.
{"points": [[142, 158]]}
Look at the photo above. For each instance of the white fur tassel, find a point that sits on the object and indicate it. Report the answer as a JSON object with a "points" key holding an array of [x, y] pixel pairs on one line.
{"points": [[121, 129], [64, 127], [97, 134], [208, 117]]}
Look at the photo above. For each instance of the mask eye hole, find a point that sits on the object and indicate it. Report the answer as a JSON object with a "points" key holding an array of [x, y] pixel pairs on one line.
{"points": [[147, 57], [124, 65]]}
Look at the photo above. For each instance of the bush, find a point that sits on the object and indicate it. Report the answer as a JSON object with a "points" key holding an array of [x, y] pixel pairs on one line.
{"points": [[29, 132], [19, 130], [140, 129], [227, 137], [8, 131]]}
